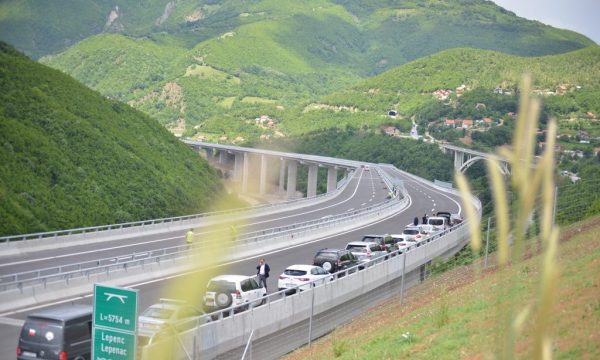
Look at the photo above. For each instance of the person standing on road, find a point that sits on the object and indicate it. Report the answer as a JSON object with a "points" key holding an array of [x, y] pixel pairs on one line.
{"points": [[189, 237], [262, 272], [424, 219]]}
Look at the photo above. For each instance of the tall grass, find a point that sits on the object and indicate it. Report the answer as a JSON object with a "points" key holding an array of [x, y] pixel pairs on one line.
{"points": [[532, 187]]}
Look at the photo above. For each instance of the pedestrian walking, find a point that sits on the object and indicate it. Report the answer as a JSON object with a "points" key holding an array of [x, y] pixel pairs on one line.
{"points": [[262, 272], [424, 219]]}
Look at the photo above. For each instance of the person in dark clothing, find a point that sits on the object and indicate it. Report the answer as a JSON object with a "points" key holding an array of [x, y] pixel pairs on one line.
{"points": [[262, 272], [424, 219], [416, 221]]}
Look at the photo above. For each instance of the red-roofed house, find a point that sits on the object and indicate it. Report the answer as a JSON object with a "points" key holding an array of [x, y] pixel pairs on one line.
{"points": [[488, 120], [467, 123], [450, 122]]}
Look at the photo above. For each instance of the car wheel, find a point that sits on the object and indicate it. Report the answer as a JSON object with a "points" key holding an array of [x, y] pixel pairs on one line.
{"points": [[327, 266], [223, 299]]}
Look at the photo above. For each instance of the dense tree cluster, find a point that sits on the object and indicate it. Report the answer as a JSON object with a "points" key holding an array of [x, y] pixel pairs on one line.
{"points": [[72, 158]]}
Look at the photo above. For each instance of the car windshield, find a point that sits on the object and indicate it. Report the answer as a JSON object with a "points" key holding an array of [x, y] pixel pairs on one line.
{"points": [[371, 238], [436, 221], [294, 272], [327, 255], [158, 313], [217, 285], [356, 248], [411, 231], [41, 332]]}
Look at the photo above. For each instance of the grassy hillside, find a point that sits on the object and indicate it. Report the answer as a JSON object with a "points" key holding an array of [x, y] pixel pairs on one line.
{"points": [[254, 58], [408, 88], [72, 158], [456, 315]]}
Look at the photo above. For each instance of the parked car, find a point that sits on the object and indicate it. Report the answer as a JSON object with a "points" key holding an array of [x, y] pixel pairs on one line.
{"points": [[301, 276], [390, 243], [453, 219], [172, 313], [404, 244], [439, 223], [380, 240], [427, 229], [366, 251], [334, 260], [62, 332], [239, 291], [413, 233]]}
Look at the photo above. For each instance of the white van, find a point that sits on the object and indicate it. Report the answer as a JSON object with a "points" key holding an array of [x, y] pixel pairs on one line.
{"points": [[439, 223]]}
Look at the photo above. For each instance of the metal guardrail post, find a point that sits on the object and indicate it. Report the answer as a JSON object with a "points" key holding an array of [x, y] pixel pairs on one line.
{"points": [[402, 280], [310, 320]]}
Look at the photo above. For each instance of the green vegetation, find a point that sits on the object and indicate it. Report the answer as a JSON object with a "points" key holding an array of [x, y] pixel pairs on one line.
{"points": [[289, 55], [408, 88], [422, 159], [72, 158], [455, 315]]}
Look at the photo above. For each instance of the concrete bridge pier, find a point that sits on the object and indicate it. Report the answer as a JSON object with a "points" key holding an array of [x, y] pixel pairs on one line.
{"points": [[331, 178], [311, 188], [291, 178], [282, 168], [262, 187]]}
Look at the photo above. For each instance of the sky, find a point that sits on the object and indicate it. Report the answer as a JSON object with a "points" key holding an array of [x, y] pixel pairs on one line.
{"points": [[582, 16]]}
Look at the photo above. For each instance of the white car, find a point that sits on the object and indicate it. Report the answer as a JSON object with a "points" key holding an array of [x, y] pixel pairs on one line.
{"points": [[403, 245], [239, 291], [412, 233], [427, 229], [439, 223], [300, 276], [169, 313]]}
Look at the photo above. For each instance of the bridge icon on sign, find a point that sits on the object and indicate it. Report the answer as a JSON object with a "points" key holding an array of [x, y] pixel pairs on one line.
{"points": [[111, 295]]}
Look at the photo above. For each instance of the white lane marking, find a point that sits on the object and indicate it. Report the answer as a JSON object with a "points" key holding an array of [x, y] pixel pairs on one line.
{"points": [[177, 237], [349, 209], [363, 204], [432, 209], [429, 189], [25, 310], [371, 199]]}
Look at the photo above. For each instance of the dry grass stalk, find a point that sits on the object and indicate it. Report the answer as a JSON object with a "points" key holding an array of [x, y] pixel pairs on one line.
{"points": [[530, 181]]}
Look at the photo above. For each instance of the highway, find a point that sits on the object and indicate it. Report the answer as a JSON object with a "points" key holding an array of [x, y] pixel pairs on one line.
{"points": [[367, 189], [364, 189]]}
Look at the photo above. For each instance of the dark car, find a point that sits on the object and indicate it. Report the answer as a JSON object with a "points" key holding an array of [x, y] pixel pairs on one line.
{"points": [[334, 260], [63, 332]]}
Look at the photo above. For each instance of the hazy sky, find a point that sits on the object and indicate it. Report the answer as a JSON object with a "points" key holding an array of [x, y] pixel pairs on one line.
{"points": [[582, 16]]}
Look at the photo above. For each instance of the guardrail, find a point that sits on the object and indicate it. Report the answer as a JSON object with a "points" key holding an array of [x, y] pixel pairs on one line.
{"points": [[280, 313], [170, 220], [112, 264]]}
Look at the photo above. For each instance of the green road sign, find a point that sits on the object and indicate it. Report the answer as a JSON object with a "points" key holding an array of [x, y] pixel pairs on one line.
{"points": [[115, 308], [115, 323], [113, 345]]}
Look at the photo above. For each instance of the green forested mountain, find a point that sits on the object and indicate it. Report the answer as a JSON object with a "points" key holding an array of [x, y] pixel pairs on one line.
{"points": [[212, 67], [72, 158], [409, 88]]}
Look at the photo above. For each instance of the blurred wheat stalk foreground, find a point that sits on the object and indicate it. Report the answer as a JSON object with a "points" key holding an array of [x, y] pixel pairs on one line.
{"points": [[528, 194]]}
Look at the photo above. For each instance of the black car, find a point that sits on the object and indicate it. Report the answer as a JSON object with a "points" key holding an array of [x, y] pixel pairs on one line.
{"points": [[63, 332], [334, 260]]}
